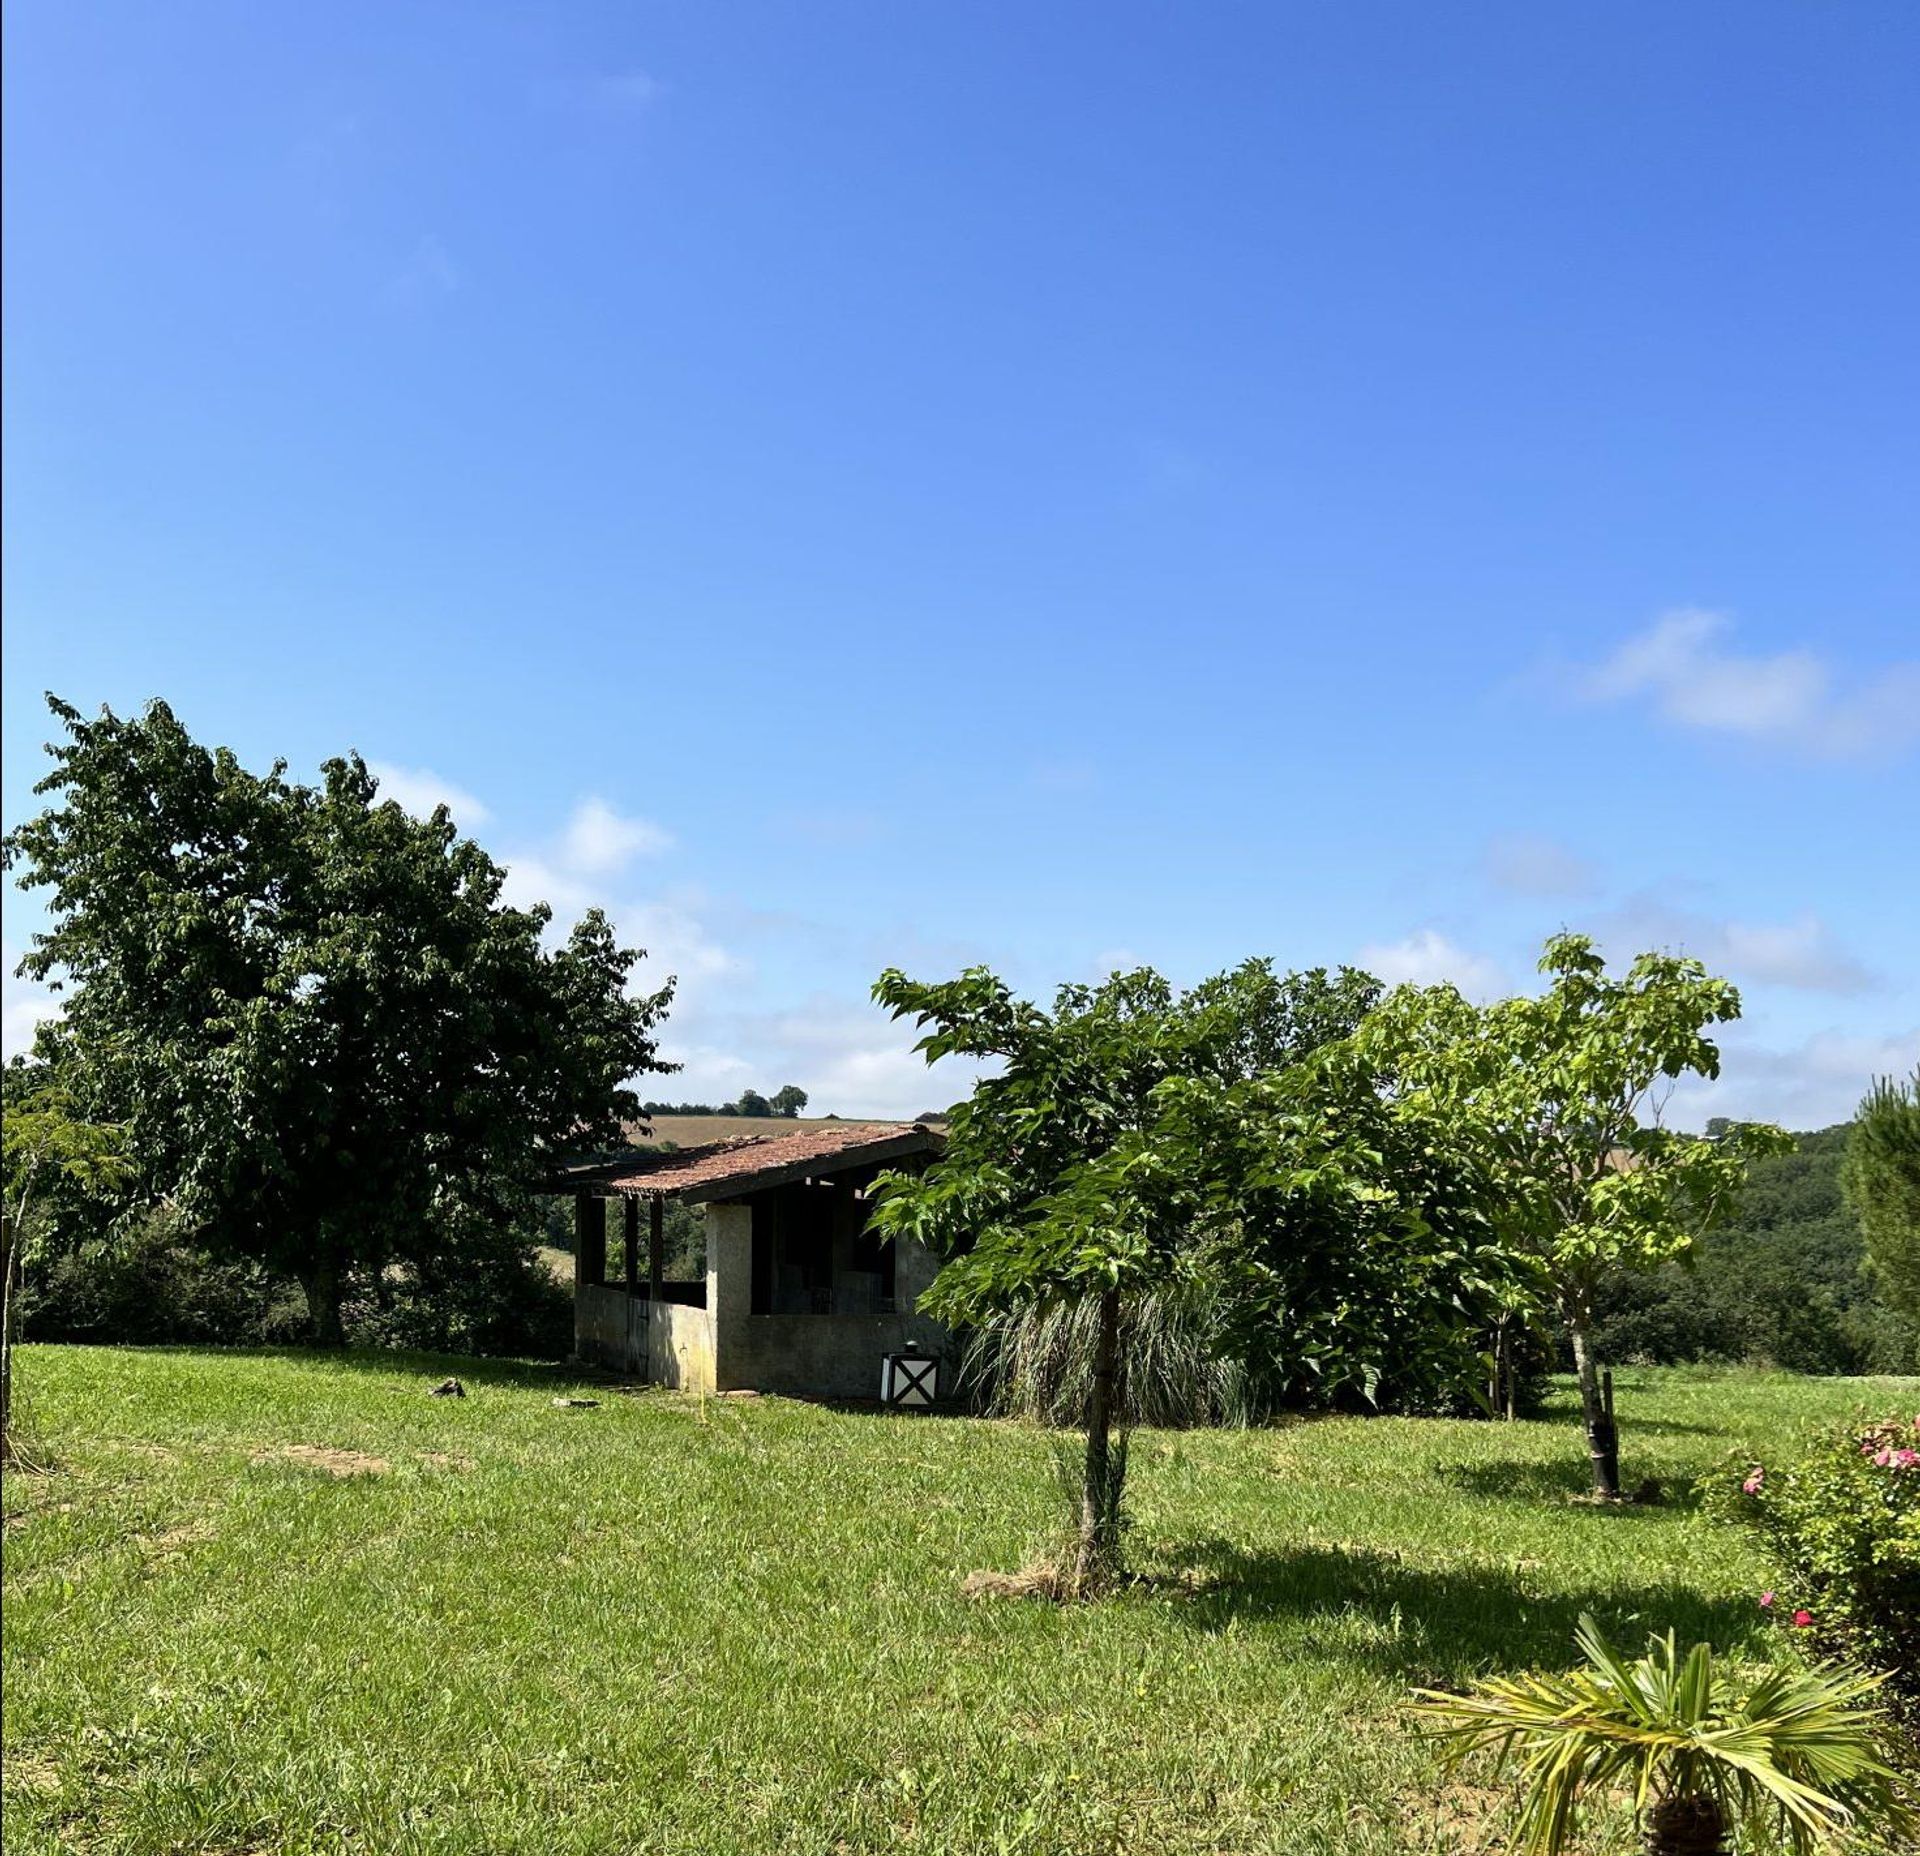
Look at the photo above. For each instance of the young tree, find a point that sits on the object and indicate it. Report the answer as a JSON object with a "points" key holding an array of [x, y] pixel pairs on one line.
{"points": [[1136, 1140], [1559, 1095], [45, 1145], [1881, 1180], [327, 1039]]}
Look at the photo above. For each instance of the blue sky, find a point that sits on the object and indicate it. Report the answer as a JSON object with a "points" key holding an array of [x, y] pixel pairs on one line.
{"points": [[1045, 484]]}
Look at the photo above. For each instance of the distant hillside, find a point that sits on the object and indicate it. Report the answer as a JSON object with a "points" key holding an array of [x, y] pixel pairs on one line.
{"points": [[1782, 1282]]}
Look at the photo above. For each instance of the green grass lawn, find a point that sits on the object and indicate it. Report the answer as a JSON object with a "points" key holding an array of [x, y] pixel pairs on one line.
{"points": [[667, 1625]]}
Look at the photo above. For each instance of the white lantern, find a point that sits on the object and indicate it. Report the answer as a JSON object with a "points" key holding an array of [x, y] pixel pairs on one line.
{"points": [[909, 1381]]}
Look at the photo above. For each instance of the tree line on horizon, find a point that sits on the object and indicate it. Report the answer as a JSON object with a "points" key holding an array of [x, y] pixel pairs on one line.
{"points": [[786, 1104]]}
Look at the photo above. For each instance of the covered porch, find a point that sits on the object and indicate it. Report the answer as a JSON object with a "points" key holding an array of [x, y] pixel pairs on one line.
{"points": [[796, 1296]]}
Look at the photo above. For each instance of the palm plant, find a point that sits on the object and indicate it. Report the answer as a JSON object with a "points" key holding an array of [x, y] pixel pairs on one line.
{"points": [[1791, 1756]]}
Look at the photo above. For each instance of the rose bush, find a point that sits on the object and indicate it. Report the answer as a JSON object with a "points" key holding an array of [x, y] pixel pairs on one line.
{"points": [[1841, 1523]]}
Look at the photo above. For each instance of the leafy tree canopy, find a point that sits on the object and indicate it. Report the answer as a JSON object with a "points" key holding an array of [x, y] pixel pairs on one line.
{"points": [[327, 1039], [1559, 1094]]}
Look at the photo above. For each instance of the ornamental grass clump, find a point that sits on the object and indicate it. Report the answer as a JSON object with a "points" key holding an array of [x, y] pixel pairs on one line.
{"points": [[1791, 1756]]}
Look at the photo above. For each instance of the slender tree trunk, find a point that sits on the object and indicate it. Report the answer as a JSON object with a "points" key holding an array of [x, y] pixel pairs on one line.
{"points": [[1685, 1826], [10, 1273], [1098, 1560], [321, 1282], [1603, 1443]]}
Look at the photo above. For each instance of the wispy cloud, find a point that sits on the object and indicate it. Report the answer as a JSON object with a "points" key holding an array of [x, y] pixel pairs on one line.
{"points": [[419, 789], [428, 275], [1812, 1084], [599, 841], [1427, 957], [850, 1057], [629, 92], [24, 1004], [1802, 953], [1529, 865], [1684, 666]]}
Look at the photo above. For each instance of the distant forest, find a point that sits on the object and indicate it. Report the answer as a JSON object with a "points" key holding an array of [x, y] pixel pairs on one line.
{"points": [[785, 1102], [1784, 1282]]}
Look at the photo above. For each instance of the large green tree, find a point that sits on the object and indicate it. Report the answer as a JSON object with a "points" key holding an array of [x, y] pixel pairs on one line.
{"points": [[1559, 1095], [327, 1039], [1881, 1179], [1135, 1140]]}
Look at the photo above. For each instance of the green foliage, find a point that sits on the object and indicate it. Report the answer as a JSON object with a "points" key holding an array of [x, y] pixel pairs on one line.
{"points": [[1841, 1523], [1556, 1097], [1558, 1090], [1781, 1281], [151, 1285], [1791, 1752], [48, 1150], [1881, 1179], [1075, 1173], [1034, 1198], [327, 1038], [789, 1100]]}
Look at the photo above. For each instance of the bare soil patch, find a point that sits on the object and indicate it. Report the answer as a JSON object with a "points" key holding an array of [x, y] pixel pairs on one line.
{"points": [[332, 1462]]}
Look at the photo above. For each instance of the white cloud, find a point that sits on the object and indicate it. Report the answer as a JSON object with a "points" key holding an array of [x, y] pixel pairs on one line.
{"points": [[1808, 1085], [1684, 667], [24, 1004], [1530, 865], [628, 90], [1802, 953], [598, 841], [852, 1060], [610, 93], [1427, 957], [418, 790], [428, 275]]}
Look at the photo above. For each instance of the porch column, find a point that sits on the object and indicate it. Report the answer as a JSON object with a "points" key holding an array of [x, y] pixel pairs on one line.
{"points": [[589, 1238], [730, 1293], [656, 1246], [630, 1242]]}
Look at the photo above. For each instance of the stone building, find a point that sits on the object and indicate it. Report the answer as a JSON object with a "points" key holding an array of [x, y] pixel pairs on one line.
{"points": [[796, 1297]]}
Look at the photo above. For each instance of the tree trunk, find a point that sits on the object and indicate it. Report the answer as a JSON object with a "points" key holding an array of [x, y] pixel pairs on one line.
{"points": [[1603, 1442], [1685, 1826], [1098, 1561], [321, 1282], [10, 1272]]}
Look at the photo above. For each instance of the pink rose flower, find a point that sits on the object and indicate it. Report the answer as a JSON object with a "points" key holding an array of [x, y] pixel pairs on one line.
{"points": [[1753, 1482], [1883, 1457], [1906, 1458], [1801, 1619], [1766, 1601]]}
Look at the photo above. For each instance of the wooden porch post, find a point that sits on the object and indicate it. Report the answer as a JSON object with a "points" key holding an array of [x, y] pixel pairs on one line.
{"points": [[656, 1246], [589, 1238], [630, 1242]]}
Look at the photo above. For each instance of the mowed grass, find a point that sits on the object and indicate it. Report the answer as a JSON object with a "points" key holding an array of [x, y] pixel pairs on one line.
{"points": [[668, 1625]]}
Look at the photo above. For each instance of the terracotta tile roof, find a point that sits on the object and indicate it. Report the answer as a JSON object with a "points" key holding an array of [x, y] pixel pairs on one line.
{"points": [[725, 1169]]}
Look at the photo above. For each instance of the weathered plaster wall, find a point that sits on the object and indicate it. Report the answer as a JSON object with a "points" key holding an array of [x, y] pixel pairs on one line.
{"points": [[666, 1342]]}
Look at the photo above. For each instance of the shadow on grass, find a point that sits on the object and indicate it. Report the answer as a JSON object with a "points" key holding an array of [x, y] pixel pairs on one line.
{"points": [[405, 1367], [1434, 1624], [1567, 1484]]}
